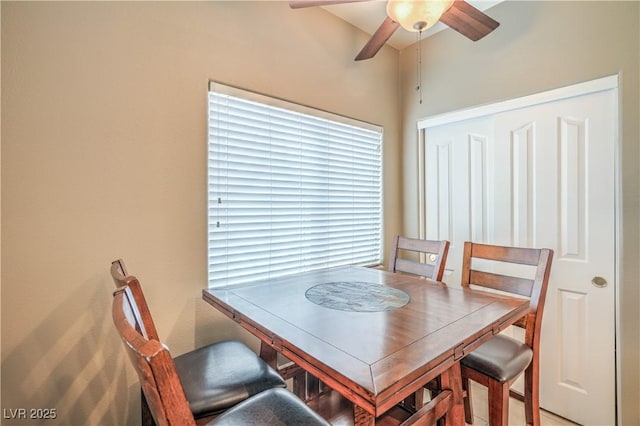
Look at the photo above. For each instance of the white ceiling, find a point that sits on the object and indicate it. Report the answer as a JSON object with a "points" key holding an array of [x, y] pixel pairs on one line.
{"points": [[369, 15]]}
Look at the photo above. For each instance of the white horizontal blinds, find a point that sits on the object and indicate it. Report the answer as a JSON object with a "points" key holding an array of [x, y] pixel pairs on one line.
{"points": [[289, 191]]}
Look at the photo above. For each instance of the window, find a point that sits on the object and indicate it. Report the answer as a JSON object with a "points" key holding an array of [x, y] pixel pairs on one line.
{"points": [[290, 188]]}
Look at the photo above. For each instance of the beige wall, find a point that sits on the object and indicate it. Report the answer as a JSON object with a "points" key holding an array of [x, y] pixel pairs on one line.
{"points": [[103, 156], [539, 46]]}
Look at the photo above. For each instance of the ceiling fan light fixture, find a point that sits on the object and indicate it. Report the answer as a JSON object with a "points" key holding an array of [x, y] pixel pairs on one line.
{"points": [[417, 15]]}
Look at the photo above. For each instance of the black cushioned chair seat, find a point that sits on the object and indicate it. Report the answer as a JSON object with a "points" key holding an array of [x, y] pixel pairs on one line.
{"points": [[220, 375], [274, 407], [501, 358]]}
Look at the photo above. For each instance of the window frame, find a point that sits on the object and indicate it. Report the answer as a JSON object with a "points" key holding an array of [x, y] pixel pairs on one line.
{"points": [[221, 90]]}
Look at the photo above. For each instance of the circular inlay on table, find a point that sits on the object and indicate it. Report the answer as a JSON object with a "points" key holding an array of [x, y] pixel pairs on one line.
{"points": [[357, 296]]}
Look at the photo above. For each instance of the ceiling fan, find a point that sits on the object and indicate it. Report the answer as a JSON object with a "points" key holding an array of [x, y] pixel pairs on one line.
{"points": [[417, 16]]}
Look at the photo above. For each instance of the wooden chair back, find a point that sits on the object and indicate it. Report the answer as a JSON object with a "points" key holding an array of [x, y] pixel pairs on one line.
{"points": [[533, 288], [153, 363], [435, 253], [119, 273], [121, 279]]}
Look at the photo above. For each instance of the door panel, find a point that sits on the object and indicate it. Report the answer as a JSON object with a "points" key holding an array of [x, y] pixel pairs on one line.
{"points": [[458, 187]]}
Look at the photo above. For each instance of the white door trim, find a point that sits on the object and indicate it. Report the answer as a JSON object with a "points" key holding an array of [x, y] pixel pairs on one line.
{"points": [[579, 89], [593, 86]]}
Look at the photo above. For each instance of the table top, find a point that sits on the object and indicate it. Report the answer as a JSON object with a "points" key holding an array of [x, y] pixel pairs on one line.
{"points": [[374, 351]]}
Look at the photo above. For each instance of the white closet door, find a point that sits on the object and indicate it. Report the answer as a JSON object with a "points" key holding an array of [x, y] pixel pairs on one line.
{"points": [[542, 176]]}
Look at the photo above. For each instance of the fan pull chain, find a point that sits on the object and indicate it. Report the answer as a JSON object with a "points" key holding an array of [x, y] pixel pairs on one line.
{"points": [[419, 67]]}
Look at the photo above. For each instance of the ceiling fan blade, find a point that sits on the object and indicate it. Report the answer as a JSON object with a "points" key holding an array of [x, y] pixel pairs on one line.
{"points": [[378, 39], [468, 21], [298, 4]]}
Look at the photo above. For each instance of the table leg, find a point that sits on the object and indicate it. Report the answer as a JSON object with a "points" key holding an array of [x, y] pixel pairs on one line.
{"points": [[362, 417], [452, 379], [269, 355]]}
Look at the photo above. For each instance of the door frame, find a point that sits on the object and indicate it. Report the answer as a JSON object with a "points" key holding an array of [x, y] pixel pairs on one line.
{"points": [[574, 90]]}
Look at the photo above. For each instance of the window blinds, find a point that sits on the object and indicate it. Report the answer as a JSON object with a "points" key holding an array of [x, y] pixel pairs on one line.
{"points": [[290, 189]]}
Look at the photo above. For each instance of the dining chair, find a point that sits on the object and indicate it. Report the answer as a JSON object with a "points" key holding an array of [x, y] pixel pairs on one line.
{"points": [[435, 257], [214, 377], [163, 387], [497, 363]]}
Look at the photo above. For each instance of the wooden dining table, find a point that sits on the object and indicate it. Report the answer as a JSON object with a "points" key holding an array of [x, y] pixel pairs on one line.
{"points": [[373, 336]]}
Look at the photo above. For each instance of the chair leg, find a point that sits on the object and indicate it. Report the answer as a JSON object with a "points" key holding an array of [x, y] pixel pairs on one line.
{"points": [[532, 395], [468, 405], [498, 403], [145, 412]]}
